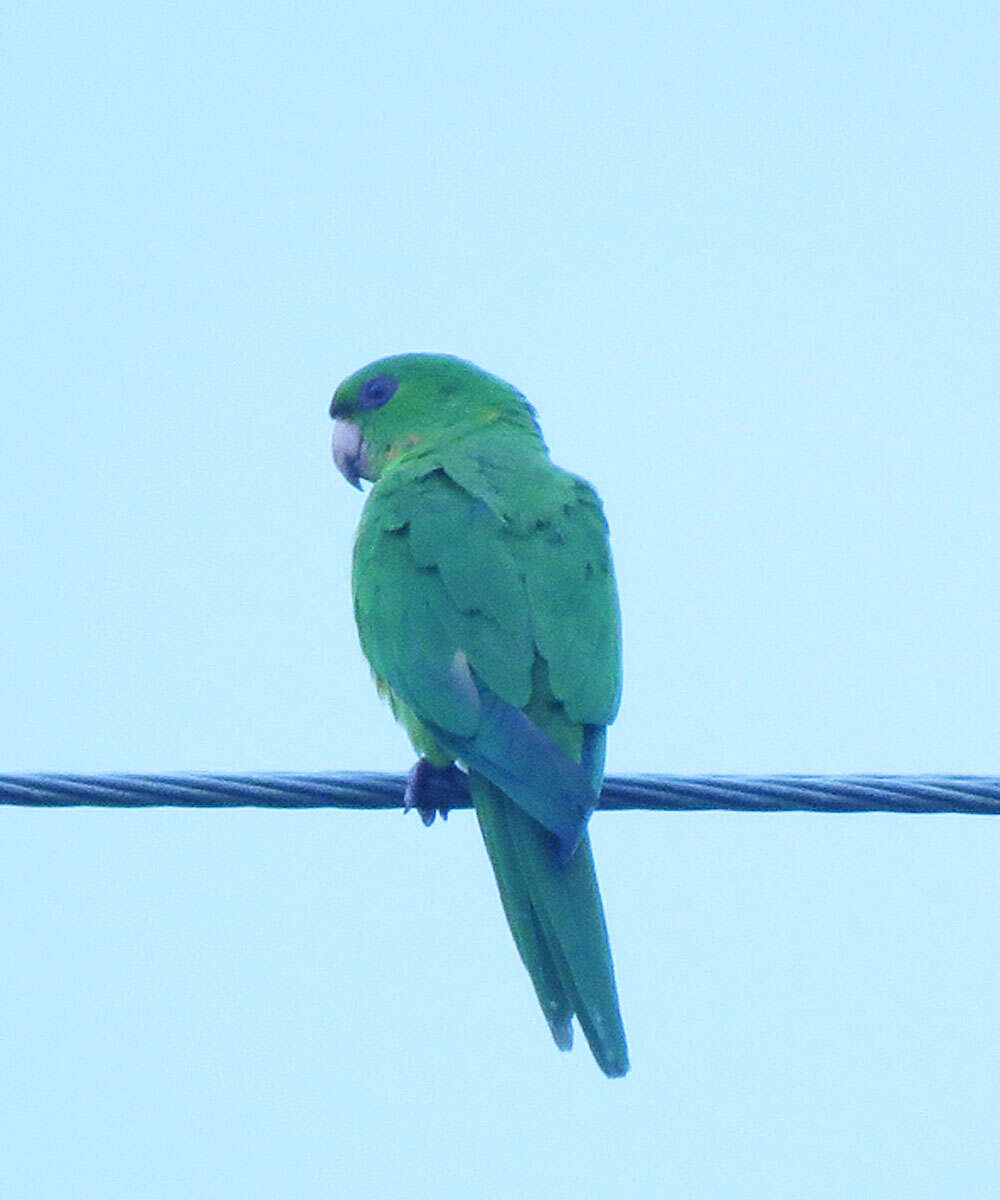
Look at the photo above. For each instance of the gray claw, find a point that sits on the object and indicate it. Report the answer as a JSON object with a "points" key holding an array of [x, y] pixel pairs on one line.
{"points": [[425, 778]]}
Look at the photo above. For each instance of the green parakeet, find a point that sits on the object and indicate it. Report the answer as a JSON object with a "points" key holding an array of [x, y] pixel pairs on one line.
{"points": [[486, 604]]}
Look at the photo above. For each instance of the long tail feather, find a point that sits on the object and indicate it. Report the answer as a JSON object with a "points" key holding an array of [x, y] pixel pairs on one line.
{"points": [[555, 913], [521, 917]]}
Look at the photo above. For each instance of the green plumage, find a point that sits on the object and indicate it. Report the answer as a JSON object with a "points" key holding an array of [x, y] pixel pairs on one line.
{"points": [[486, 604]]}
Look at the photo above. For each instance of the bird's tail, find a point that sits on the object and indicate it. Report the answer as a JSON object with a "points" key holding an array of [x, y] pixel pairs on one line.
{"points": [[555, 914]]}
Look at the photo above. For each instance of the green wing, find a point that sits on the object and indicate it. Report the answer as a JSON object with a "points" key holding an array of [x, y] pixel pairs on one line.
{"points": [[486, 602], [445, 562]]}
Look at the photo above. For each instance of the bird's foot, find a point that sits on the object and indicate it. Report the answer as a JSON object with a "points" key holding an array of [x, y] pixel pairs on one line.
{"points": [[427, 789]]}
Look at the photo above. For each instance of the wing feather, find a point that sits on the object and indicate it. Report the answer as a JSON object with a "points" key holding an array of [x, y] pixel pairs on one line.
{"points": [[498, 560]]}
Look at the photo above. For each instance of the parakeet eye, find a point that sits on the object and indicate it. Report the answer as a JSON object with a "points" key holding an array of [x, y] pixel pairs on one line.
{"points": [[377, 392]]}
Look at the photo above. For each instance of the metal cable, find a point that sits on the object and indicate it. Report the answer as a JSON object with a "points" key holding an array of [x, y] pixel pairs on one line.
{"points": [[740, 793]]}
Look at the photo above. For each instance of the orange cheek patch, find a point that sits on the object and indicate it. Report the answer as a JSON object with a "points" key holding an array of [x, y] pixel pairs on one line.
{"points": [[401, 445]]}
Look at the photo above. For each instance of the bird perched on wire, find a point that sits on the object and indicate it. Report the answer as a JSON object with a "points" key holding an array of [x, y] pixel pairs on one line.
{"points": [[486, 603]]}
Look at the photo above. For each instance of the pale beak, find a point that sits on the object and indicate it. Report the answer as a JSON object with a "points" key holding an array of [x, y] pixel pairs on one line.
{"points": [[349, 451]]}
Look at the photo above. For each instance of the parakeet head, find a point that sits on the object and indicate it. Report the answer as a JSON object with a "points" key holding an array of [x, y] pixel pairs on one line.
{"points": [[398, 406]]}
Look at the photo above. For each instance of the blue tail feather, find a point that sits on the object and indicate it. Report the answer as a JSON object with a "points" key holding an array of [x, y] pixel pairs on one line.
{"points": [[511, 752]]}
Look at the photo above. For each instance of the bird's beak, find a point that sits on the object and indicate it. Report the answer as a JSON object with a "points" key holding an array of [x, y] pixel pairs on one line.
{"points": [[349, 451]]}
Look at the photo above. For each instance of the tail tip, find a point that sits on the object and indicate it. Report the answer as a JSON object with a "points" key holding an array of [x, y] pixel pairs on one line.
{"points": [[562, 1032], [616, 1066], [608, 1046]]}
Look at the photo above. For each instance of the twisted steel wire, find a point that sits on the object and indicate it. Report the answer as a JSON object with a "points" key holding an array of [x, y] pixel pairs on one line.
{"points": [[738, 793]]}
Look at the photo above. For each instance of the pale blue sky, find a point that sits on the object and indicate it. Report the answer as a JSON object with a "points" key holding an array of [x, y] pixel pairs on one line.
{"points": [[744, 263]]}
